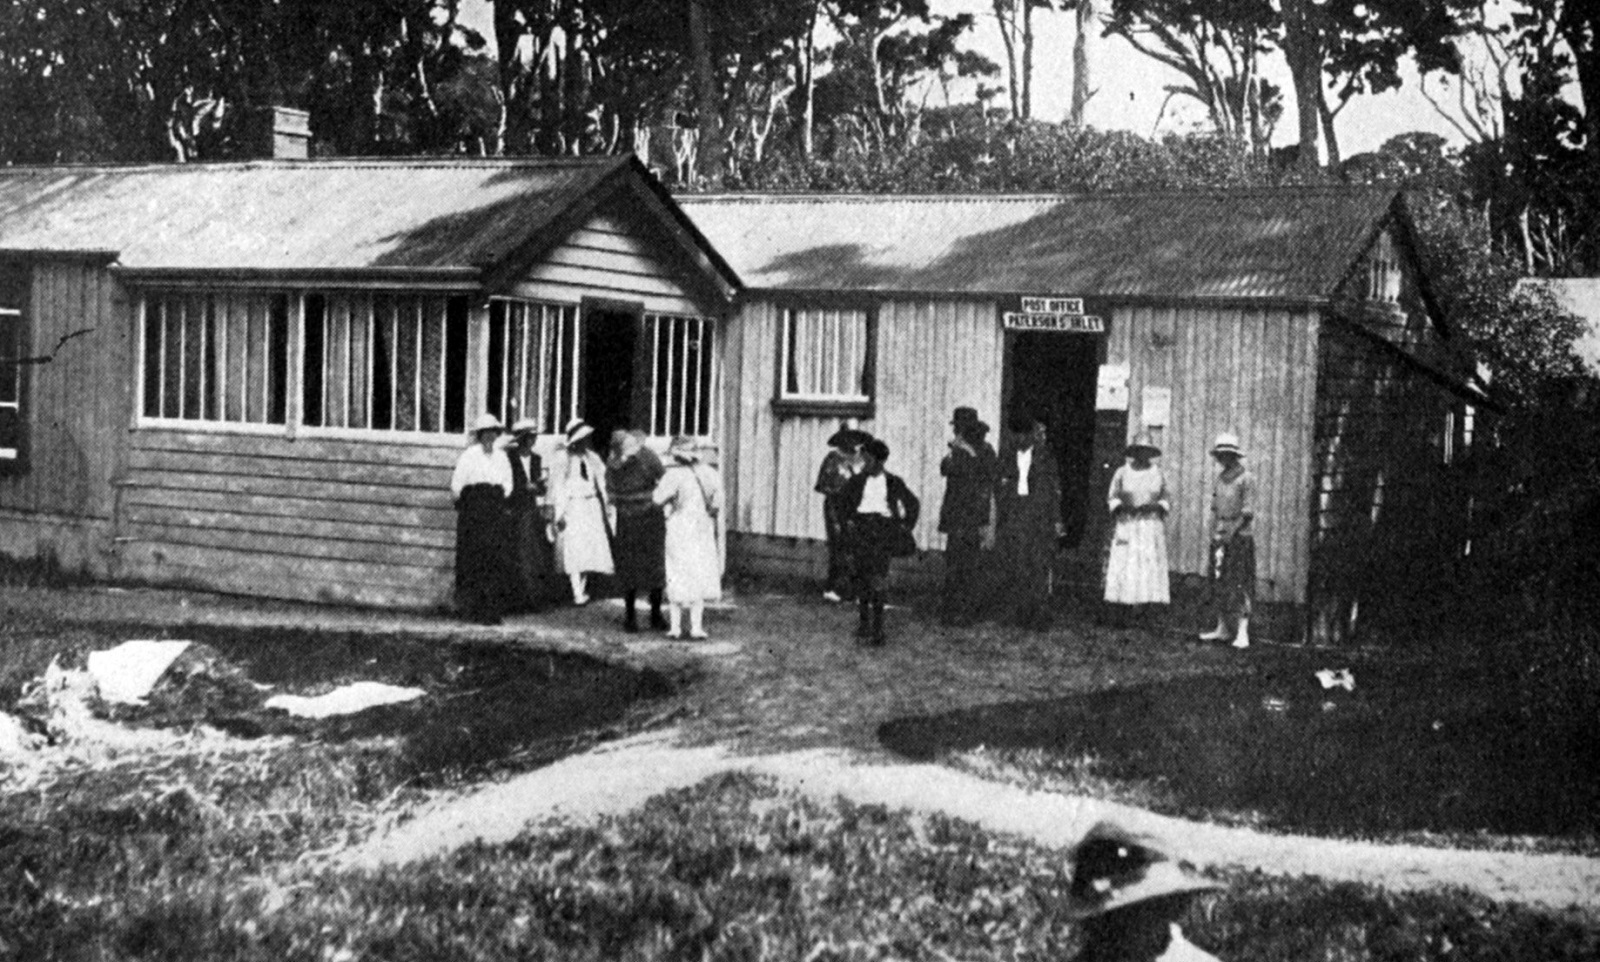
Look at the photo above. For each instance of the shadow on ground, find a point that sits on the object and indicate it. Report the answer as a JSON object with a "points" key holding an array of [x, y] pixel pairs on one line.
{"points": [[1414, 747]]}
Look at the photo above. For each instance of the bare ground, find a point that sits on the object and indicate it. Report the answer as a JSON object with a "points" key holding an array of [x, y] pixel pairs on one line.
{"points": [[785, 693]]}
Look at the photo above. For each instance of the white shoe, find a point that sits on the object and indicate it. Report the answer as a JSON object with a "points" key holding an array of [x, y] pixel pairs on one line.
{"points": [[1241, 642], [831, 596], [1242, 638]]}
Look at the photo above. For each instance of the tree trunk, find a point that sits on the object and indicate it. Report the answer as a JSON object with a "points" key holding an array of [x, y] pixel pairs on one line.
{"points": [[1027, 59], [806, 87], [1330, 135], [708, 116], [1081, 91], [1008, 37], [1302, 46]]}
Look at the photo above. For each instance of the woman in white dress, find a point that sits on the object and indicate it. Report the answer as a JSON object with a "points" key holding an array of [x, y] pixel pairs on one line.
{"points": [[578, 500], [1136, 571], [691, 494]]}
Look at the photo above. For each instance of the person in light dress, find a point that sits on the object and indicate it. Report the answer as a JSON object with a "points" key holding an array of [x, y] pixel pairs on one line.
{"points": [[580, 510], [1136, 568], [691, 494]]}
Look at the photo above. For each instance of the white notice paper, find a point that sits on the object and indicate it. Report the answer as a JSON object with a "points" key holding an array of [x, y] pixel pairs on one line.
{"points": [[1111, 393], [1156, 406]]}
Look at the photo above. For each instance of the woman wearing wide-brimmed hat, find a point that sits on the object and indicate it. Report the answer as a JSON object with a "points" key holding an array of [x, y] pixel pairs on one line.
{"points": [[1233, 545], [1136, 568], [839, 465], [691, 494], [578, 500], [1128, 894], [480, 484]]}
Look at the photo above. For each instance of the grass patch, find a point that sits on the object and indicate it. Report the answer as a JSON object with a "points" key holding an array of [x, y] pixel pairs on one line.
{"points": [[731, 870], [1420, 746]]}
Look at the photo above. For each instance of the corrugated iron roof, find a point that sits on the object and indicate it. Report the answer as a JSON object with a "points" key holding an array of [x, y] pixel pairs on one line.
{"points": [[1290, 243], [286, 216]]}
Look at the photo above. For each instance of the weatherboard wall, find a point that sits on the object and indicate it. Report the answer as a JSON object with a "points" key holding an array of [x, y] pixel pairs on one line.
{"points": [[62, 505], [1247, 370]]}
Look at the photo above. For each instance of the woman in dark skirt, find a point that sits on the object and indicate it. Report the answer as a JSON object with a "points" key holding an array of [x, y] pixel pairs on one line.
{"points": [[881, 512], [632, 473], [537, 585], [480, 484]]}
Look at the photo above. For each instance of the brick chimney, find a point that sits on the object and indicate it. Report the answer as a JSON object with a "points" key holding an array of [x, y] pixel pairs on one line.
{"points": [[278, 133]]}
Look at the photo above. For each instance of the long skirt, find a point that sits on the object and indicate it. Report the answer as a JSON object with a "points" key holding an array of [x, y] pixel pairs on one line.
{"points": [[1136, 570], [482, 555], [583, 544], [1233, 573], [640, 549], [694, 566], [536, 587]]}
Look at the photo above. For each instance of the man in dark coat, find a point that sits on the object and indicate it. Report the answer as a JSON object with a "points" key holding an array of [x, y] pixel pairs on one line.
{"points": [[969, 471], [1027, 520], [533, 556]]}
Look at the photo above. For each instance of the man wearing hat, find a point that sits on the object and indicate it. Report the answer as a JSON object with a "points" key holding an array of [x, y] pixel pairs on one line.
{"points": [[480, 485], [532, 552], [1233, 547], [1027, 520], [839, 465], [969, 471], [1129, 895]]}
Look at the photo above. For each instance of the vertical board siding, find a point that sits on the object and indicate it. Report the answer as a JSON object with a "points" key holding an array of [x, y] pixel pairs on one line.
{"points": [[77, 403], [1246, 370], [932, 355], [1380, 517]]}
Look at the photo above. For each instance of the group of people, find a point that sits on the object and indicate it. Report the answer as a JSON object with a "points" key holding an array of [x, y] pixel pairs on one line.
{"points": [[649, 523], [1010, 501]]}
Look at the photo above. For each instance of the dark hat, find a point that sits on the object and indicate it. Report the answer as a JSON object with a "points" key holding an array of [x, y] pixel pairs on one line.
{"points": [[1113, 868], [876, 448], [964, 416], [1142, 442], [848, 438]]}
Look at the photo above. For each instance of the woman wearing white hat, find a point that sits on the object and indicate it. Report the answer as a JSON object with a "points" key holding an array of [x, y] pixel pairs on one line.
{"points": [[1136, 568], [480, 485], [578, 498], [1128, 895], [1233, 547], [691, 493]]}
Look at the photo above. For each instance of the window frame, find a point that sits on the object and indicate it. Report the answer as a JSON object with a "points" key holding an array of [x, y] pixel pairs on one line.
{"points": [[861, 406], [289, 335]]}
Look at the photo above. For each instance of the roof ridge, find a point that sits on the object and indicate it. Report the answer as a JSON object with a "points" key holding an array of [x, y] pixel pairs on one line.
{"points": [[323, 163], [1031, 196]]}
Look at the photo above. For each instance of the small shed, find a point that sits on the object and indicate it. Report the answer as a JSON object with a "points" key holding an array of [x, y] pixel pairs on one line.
{"points": [[1297, 317], [255, 377]]}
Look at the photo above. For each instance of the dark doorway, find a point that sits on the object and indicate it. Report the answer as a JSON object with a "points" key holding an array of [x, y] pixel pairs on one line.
{"points": [[1052, 377], [610, 343]]}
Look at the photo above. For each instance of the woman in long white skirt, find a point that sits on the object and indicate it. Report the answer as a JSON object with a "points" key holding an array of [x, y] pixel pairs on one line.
{"points": [[577, 495], [691, 493], [1136, 571]]}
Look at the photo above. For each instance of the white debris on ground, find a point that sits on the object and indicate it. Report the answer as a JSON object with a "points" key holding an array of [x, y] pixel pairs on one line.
{"points": [[127, 673], [347, 700], [1341, 678], [15, 738]]}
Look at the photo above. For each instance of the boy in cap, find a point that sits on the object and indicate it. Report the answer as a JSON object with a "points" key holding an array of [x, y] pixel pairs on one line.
{"points": [[969, 471], [1233, 547], [1129, 896]]}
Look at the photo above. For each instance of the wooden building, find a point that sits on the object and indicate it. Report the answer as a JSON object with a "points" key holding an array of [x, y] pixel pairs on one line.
{"points": [[256, 377], [1298, 318]]}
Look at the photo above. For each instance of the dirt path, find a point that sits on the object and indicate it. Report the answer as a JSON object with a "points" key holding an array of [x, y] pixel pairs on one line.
{"points": [[783, 692], [624, 775]]}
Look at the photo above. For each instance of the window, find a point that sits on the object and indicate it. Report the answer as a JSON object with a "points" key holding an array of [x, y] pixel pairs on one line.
{"points": [[385, 362], [13, 345], [216, 357], [826, 361], [1383, 271], [536, 360], [681, 374], [533, 362]]}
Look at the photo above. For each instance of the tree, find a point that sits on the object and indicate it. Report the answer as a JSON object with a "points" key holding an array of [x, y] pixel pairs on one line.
{"points": [[1216, 45], [1082, 84]]}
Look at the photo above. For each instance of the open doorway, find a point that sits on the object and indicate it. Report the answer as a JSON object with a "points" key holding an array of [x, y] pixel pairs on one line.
{"points": [[1051, 376], [606, 378]]}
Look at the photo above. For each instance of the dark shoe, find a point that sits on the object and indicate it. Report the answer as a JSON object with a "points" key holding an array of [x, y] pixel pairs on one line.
{"points": [[658, 622], [630, 626], [877, 625]]}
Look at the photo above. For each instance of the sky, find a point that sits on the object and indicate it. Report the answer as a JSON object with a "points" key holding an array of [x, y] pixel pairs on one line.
{"points": [[1130, 86]]}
